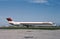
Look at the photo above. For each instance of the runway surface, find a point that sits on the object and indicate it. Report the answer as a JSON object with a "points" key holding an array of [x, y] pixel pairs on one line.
{"points": [[29, 34]]}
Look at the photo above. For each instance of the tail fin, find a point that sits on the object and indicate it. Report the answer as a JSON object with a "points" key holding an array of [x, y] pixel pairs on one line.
{"points": [[9, 19]]}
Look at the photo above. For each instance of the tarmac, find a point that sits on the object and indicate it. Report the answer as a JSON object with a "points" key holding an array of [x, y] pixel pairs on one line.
{"points": [[29, 34]]}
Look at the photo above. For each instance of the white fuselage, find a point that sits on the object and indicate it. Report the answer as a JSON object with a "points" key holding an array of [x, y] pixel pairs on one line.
{"points": [[31, 23]]}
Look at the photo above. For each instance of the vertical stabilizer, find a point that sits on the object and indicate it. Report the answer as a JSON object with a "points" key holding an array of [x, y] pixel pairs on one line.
{"points": [[9, 19]]}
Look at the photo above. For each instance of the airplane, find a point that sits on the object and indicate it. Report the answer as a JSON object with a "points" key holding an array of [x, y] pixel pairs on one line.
{"points": [[27, 24]]}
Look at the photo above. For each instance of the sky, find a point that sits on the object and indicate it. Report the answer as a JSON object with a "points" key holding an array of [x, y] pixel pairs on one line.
{"points": [[30, 10]]}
